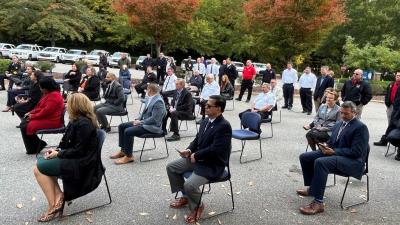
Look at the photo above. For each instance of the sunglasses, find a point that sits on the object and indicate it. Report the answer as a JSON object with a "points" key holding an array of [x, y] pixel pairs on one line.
{"points": [[210, 106]]}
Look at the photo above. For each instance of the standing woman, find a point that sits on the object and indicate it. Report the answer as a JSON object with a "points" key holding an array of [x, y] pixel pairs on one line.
{"points": [[46, 115], [76, 160]]}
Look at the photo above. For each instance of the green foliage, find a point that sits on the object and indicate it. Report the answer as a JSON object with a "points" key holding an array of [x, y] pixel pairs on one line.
{"points": [[4, 63], [45, 66], [80, 64]]}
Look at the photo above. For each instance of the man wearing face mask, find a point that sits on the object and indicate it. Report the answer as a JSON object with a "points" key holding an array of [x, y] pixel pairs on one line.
{"points": [[114, 96]]}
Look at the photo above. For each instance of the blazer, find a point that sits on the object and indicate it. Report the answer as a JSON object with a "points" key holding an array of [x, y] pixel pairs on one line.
{"points": [[80, 162], [74, 79], [184, 103], [212, 148], [47, 113], [114, 96], [92, 89], [320, 87], [153, 115], [196, 81], [326, 120], [231, 71], [351, 147]]}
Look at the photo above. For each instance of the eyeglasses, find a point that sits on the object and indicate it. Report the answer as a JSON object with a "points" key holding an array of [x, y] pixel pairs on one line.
{"points": [[210, 106]]}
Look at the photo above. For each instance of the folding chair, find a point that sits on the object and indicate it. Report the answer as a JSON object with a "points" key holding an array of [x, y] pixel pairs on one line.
{"points": [[101, 136], [126, 84], [266, 121], [60, 130], [120, 114], [387, 154], [231, 99], [251, 121], [190, 119]]}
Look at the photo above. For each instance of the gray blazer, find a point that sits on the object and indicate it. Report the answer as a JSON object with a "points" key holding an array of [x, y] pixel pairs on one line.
{"points": [[153, 115], [115, 97], [326, 120]]}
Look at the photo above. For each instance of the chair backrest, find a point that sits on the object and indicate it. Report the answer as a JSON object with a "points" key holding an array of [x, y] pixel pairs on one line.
{"points": [[126, 84], [63, 115], [251, 120], [101, 136]]}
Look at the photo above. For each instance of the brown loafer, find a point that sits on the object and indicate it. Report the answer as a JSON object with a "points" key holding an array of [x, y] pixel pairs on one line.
{"points": [[179, 203], [195, 215], [313, 208], [124, 160], [303, 192], [117, 155]]}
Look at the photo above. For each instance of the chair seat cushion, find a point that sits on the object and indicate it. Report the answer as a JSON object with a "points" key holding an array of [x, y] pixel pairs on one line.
{"points": [[51, 131], [152, 135], [245, 135]]}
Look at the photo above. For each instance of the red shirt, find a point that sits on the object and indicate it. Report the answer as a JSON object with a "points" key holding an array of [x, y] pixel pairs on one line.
{"points": [[393, 92], [248, 72]]}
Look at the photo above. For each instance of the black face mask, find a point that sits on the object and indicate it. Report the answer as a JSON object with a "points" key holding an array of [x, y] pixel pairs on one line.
{"points": [[108, 81]]}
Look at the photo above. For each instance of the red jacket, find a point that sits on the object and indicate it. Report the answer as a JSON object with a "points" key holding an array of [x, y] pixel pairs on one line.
{"points": [[47, 113]]}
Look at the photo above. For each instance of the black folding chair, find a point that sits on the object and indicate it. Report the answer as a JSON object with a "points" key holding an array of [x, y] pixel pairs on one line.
{"points": [[387, 154], [60, 130], [193, 118], [120, 114], [268, 121], [101, 136]]}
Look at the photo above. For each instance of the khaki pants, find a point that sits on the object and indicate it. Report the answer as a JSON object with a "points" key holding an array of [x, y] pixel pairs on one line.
{"points": [[359, 109], [317, 104]]}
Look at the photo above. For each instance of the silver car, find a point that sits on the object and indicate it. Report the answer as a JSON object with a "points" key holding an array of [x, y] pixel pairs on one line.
{"points": [[74, 55], [5, 50], [239, 66], [183, 68], [259, 67], [114, 58], [94, 56], [53, 54], [26, 51]]}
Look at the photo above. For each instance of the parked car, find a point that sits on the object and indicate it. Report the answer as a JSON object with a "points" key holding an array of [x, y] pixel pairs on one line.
{"points": [[94, 56], [114, 58], [74, 55], [259, 67], [239, 66], [26, 51], [53, 54], [5, 50], [184, 62], [139, 62]]}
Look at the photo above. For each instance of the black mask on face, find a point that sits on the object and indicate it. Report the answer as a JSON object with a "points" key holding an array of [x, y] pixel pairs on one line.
{"points": [[108, 81]]}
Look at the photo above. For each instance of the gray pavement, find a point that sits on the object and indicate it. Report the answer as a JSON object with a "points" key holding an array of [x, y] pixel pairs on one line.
{"points": [[264, 189]]}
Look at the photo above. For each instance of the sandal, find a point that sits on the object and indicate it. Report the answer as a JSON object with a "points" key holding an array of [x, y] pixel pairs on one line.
{"points": [[59, 205], [195, 215], [179, 203]]}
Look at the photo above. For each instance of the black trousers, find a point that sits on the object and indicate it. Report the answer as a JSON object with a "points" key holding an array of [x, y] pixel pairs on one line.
{"points": [[315, 136], [2, 77], [394, 137], [166, 95], [288, 91], [175, 117], [232, 80], [32, 143], [306, 99], [160, 75], [246, 84], [22, 108]]}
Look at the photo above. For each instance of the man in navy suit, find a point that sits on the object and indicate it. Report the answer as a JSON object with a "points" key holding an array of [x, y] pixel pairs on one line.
{"points": [[323, 82], [344, 153], [207, 156]]}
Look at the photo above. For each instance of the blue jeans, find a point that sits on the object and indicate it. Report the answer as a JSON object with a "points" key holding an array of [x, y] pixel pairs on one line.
{"points": [[126, 133]]}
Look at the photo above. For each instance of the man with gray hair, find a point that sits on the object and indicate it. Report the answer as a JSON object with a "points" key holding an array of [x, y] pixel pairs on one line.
{"points": [[213, 68], [344, 153], [210, 88], [323, 82], [357, 91]]}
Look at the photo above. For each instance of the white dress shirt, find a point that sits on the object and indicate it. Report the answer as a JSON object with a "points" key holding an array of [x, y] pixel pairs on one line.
{"points": [[264, 99], [289, 76], [213, 69], [210, 89], [199, 67], [169, 83], [308, 81]]}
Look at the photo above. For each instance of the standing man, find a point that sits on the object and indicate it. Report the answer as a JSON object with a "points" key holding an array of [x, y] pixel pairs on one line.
{"points": [[357, 91], [392, 102], [268, 74], [148, 61], [199, 66], [103, 61], [181, 108], [344, 153], [249, 74], [323, 82], [124, 61], [206, 157], [221, 72], [231, 71], [188, 68], [161, 66], [289, 79], [213, 68], [307, 83]]}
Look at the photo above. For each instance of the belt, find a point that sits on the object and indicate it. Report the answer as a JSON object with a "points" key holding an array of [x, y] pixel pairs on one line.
{"points": [[288, 84], [305, 88]]}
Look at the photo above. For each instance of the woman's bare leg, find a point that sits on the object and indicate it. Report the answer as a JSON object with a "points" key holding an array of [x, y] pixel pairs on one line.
{"points": [[47, 185]]}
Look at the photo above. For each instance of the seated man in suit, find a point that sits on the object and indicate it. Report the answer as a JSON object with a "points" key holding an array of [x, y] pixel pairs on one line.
{"points": [[114, 96], [207, 156], [344, 153], [263, 103], [90, 84], [181, 108], [150, 121], [210, 88], [327, 116], [149, 77], [195, 82]]}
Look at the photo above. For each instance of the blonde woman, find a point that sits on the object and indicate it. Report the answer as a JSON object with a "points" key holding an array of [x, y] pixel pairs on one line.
{"points": [[76, 161]]}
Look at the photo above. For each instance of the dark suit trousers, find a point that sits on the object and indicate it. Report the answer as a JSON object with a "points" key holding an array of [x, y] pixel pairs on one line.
{"points": [[306, 99], [11, 94], [102, 111], [316, 168], [166, 94], [160, 75], [175, 117], [288, 91], [2, 77], [394, 137], [32, 142], [246, 84], [232, 80], [126, 133]]}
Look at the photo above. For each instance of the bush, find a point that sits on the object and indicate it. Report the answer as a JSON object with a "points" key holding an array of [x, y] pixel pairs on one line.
{"points": [[378, 87], [4, 63], [79, 64], [45, 66]]}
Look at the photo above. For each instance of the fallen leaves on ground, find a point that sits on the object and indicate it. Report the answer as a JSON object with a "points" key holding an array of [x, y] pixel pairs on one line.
{"points": [[211, 213], [20, 205], [89, 219], [143, 214], [238, 192], [251, 183], [174, 217], [219, 222], [89, 213], [353, 211], [33, 198]]}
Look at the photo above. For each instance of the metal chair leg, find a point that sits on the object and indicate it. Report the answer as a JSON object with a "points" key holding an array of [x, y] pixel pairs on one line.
{"points": [[155, 146], [358, 203], [387, 154]]}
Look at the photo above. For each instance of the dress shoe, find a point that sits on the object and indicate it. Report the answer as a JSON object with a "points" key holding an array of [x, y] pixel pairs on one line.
{"points": [[397, 157], [313, 208], [195, 215], [382, 142], [289, 107], [248, 100], [304, 111], [303, 192], [308, 113], [238, 99], [174, 137], [284, 107], [124, 160], [117, 155], [179, 203]]}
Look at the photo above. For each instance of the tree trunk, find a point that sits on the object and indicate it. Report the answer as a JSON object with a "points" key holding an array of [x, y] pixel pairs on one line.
{"points": [[158, 48]]}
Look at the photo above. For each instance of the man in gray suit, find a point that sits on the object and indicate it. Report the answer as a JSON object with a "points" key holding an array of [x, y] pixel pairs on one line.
{"points": [[114, 96], [150, 121]]}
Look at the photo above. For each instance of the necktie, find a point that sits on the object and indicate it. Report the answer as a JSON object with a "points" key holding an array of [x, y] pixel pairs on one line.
{"points": [[207, 125], [344, 124], [212, 66], [166, 86], [107, 91], [178, 95]]}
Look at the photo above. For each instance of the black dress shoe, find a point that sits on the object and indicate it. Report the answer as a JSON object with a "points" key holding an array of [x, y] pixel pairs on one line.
{"points": [[308, 113], [174, 137], [284, 107], [382, 142], [238, 99], [248, 100], [304, 111], [289, 107]]}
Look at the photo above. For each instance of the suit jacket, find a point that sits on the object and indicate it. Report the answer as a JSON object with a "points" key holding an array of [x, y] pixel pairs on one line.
{"points": [[267, 75], [351, 147], [153, 115], [74, 79], [212, 148], [114, 96], [320, 87], [92, 88], [184, 103], [326, 120], [231, 71], [196, 81]]}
